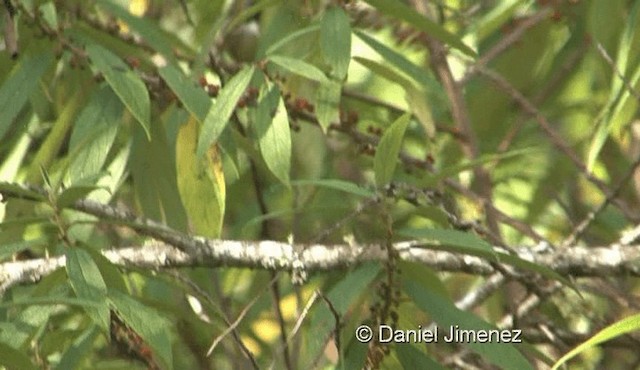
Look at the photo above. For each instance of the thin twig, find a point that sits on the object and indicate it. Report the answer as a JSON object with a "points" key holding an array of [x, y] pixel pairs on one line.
{"points": [[625, 81], [554, 137], [504, 43], [234, 325], [579, 230]]}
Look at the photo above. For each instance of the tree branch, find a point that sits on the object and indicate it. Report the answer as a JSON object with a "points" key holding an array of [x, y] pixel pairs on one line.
{"points": [[608, 261]]}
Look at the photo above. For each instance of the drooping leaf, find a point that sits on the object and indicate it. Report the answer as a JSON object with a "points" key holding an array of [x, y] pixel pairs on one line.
{"points": [[605, 118], [125, 83], [145, 321], [412, 358], [335, 41], [416, 97], [299, 67], [419, 105], [384, 71], [55, 139], [94, 133], [6, 250], [195, 100], [386, 157], [88, 284], [401, 63], [153, 169], [72, 194], [328, 104], [17, 88], [291, 37], [14, 359], [447, 315], [337, 184], [274, 134], [79, 350], [624, 326], [220, 112], [467, 243], [341, 296], [450, 238], [397, 9], [200, 182], [149, 30]]}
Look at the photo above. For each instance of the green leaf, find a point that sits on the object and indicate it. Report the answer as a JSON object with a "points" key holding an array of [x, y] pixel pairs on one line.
{"points": [[341, 185], [419, 105], [274, 134], [606, 117], [153, 168], [200, 178], [447, 315], [463, 242], [299, 67], [87, 283], [335, 41], [401, 63], [450, 171], [19, 86], [624, 326], [344, 294], [491, 22], [468, 243], [94, 134], [328, 104], [13, 359], [74, 193], [218, 116], [291, 37], [125, 83], [397, 9], [79, 349], [7, 250], [386, 158], [52, 301], [417, 99], [144, 320], [195, 99], [384, 71], [149, 30], [412, 358], [18, 191]]}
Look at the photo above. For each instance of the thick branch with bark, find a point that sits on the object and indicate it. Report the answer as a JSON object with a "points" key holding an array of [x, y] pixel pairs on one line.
{"points": [[613, 260]]}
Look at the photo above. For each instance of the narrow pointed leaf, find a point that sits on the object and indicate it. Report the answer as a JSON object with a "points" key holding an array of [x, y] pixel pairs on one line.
{"points": [[398, 10], [447, 315], [200, 178], [146, 321], [299, 67], [624, 326], [335, 41], [386, 158], [220, 112], [328, 104], [88, 284], [194, 99], [274, 134], [18, 87], [125, 83]]}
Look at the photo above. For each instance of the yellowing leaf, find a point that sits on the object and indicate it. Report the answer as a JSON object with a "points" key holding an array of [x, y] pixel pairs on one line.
{"points": [[200, 182]]}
